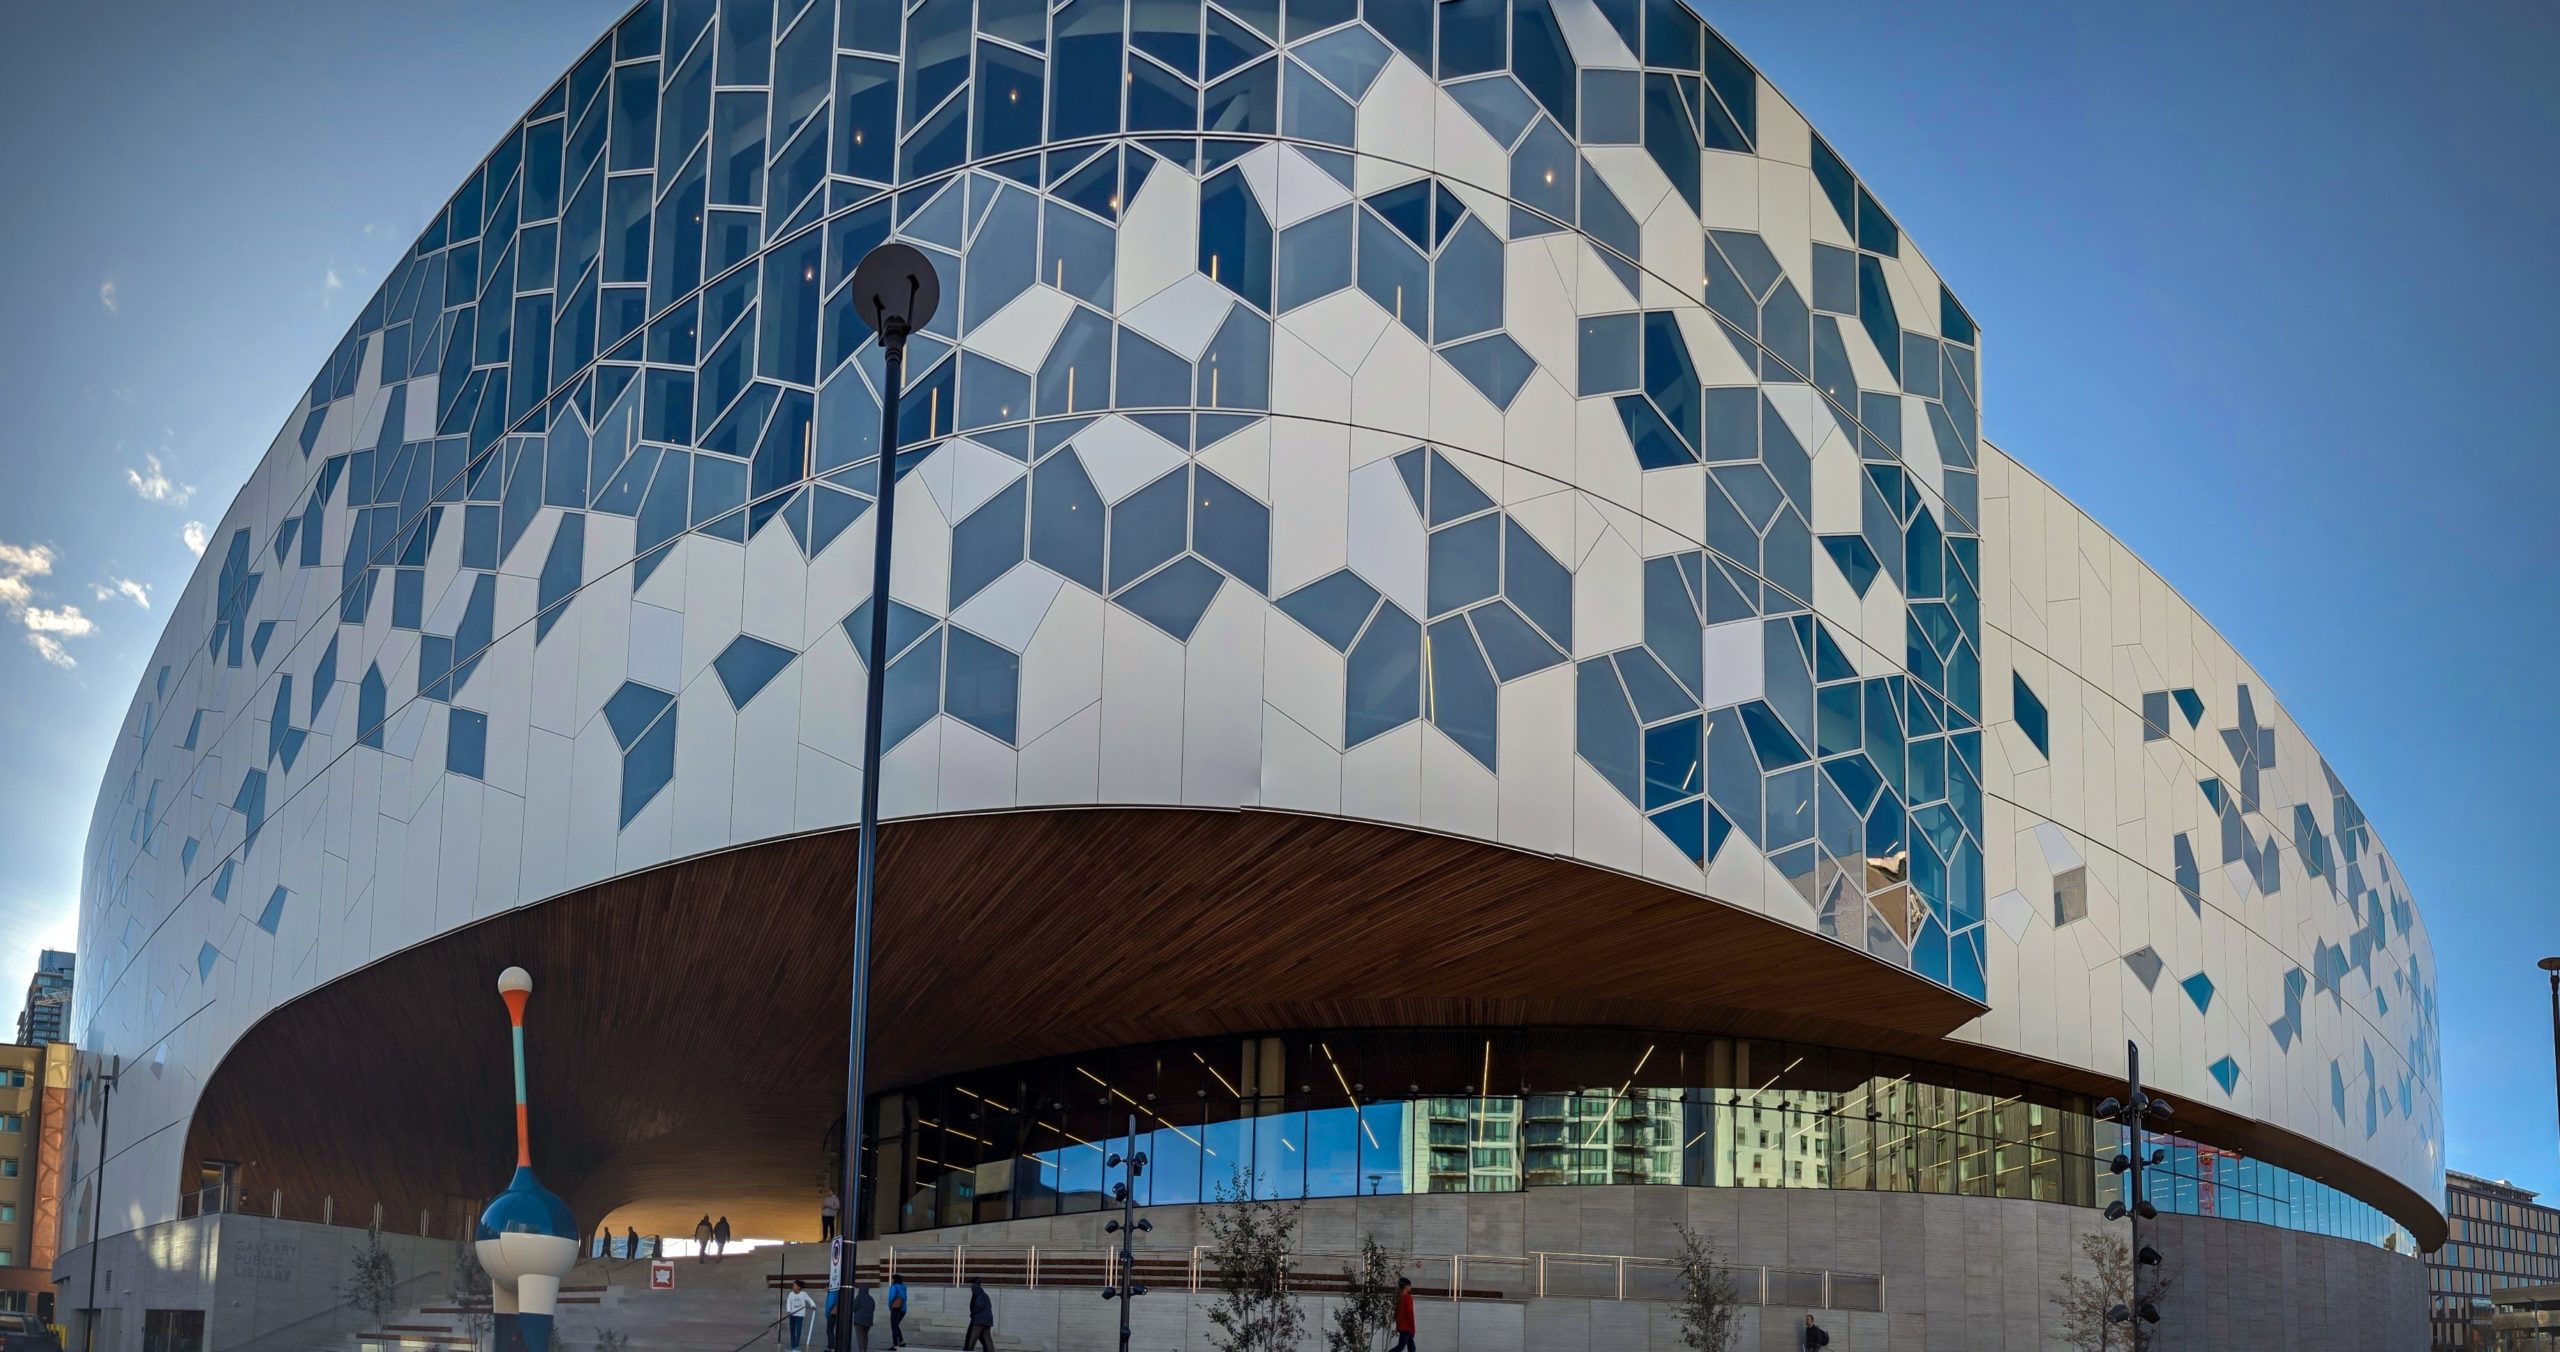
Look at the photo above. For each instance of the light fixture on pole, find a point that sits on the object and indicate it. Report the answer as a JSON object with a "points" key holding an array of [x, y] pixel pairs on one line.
{"points": [[895, 290], [2129, 1113]]}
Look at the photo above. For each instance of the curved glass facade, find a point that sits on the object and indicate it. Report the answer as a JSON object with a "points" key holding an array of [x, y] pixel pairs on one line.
{"points": [[1390, 1111], [1502, 418]]}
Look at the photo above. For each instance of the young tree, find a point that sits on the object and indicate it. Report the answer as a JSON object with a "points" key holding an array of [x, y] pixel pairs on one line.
{"points": [[374, 1282], [468, 1284], [2086, 1298], [1368, 1307], [1249, 1241], [1709, 1318]]}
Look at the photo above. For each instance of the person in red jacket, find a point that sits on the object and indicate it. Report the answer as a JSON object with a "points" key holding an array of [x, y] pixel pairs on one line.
{"points": [[1404, 1316]]}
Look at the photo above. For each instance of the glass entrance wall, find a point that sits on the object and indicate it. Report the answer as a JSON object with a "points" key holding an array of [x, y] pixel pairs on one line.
{"points": [[1379, 1112]]}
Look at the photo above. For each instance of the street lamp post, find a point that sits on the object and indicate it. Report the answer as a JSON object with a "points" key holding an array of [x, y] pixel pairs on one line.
{"points": [[895, 290], [2552, 966], [98, 1196]]}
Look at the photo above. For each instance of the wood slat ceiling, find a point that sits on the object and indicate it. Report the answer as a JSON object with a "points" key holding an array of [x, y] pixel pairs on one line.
{"points": [[687, 1035]]}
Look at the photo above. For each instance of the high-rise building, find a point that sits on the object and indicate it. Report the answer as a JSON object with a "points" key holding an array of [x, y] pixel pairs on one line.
{"points": [[1455, 631], [48, 999], [2500, 1237], [34, 1095]]}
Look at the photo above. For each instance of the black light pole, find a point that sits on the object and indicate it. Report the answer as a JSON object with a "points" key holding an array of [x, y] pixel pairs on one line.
{"points": [[98, 1196], [1127, 1227], [2552, 965], [895, 291], [2130, 1113]]}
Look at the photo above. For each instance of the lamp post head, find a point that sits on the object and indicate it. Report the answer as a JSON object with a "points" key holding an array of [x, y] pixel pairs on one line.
{"points": [[896, 290], [2551, 965], [514, 980]]}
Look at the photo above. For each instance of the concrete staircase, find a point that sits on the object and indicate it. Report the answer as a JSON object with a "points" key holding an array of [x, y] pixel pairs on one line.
{"points": [[723, 1306]]}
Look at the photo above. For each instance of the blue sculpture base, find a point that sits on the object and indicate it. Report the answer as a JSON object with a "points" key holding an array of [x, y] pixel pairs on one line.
{"points": [[523, 1333]]}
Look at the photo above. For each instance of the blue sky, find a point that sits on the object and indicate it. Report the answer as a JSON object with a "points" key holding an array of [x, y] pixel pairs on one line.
{"points": [[2271, 298]]}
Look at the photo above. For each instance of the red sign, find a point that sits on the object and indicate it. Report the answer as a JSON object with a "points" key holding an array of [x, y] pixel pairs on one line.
{"points": [[662, 1275]]}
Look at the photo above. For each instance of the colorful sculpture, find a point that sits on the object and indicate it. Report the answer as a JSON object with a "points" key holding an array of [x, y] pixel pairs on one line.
{"points": [[527, 1239]]}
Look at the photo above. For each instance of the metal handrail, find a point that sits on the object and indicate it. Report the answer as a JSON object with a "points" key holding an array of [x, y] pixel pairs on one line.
{"points": [[1541, 1273]]}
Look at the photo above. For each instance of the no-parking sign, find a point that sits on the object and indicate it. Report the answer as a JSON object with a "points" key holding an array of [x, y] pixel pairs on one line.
{"points": [[662, 1275]]}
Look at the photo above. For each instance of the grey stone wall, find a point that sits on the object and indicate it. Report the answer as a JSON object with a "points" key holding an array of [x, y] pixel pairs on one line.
{"points": [[264, 1285], [1961, 1274]]}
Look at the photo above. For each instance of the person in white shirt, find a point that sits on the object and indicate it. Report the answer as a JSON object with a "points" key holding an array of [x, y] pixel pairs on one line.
{"points": [[799, 1306], [827, 1216]]}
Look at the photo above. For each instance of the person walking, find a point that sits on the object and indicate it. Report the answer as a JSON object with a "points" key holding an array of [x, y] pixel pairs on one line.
{"points": [[864, 1307], [1404, 1316], [982, 1319], [720, 1240], [827, 1209], [631, 1241], [897, 1312], [797, 1308], [702, 1240], [1814, 1337]]}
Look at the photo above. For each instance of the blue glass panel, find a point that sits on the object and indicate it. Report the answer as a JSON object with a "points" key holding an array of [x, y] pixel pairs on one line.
{"points": [[1611, 355], [1464, 563], [1838, 185], [1311, 112], [1383, 678], [1174, 598], [1876, 230], [988, 542], [1351, 58], [1467, 284], [1246, 103], [1235, 238], [1543, 173], [1333, 607], [1875, 311], [635, 117], [1605, 728], [1494, 364], [1673, 768], [1471, 37], [1147, 528], [1514, 648], [1149, 376], [1067, 521], [1315, 257], [981, 685], [1656, 445], [647, 765], [2029, 712], [466, 750], [1461, 696], [1085, 94], [1670, 137], [1008, 94], [1230, 529]]}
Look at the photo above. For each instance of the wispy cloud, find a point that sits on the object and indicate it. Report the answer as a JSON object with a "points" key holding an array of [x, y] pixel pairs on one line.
{"points": [[195, 535], [107, 295], [137, 592], [46, 626], [152, 483], [329, 287]]}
